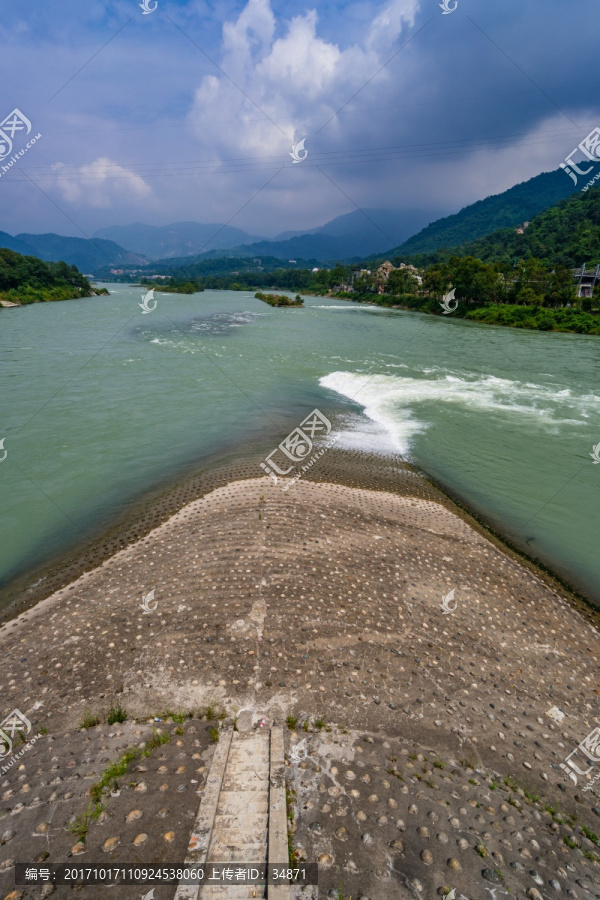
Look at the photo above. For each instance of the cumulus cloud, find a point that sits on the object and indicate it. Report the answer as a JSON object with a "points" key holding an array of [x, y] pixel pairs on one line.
{"points": [[101, 183], [298, 79]]}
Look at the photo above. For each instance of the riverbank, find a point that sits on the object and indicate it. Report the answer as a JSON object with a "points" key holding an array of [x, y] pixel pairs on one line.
{"points": [[26, 296], [424, 658], [535, 318]]}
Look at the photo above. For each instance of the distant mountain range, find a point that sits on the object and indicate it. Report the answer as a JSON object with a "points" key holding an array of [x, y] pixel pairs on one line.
{"points": [[354, 234], [350, 236], [178, 239], [87, 254], [346, 238]]}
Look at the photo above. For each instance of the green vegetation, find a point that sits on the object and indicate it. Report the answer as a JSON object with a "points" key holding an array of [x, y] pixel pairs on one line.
{"points": [[291, 722], [290, 796], [173, 286], [89, 720], [118, 769], [217, 274], [523, 295], [567, 234], [26, 279], [279, 299], [110, 774], [572, 320], [116, 714], [520, 280], [80, 825], [214, 734], [176, 717], [511, 208]]}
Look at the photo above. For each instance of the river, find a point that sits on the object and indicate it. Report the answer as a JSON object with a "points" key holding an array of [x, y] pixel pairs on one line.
{"points": [[101, 402]]}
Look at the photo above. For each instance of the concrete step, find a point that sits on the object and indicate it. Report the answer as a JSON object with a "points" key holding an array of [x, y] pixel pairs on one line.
{"points": [[242, 816]]}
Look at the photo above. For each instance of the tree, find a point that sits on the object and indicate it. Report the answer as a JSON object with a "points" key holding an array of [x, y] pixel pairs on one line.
{"points": [[435, 280], [338, 275], [364, 284], [401, 281]]}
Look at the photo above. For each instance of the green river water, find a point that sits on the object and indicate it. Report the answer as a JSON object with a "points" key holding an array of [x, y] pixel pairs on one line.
{"points": [[100, 403]]}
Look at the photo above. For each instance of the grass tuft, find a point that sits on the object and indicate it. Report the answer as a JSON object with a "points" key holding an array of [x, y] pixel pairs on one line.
{"points": [[89, 720], [81, 824], [116, 714]]}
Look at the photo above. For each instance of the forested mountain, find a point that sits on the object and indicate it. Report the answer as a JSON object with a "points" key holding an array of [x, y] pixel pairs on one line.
{"points": [[567, 234], [507, 210]]}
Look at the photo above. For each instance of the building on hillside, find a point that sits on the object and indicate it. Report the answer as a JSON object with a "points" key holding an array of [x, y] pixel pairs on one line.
{"points": [[385, 269], [586, 280], [382, 274], [522, 228]]}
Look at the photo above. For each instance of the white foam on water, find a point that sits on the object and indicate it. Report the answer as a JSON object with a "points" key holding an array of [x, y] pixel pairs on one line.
{"points": [[358, 433], [347, 306], [391, 402]]}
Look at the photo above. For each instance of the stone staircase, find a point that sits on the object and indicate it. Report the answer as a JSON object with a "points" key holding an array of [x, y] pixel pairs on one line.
{"points": [[242, 816]]}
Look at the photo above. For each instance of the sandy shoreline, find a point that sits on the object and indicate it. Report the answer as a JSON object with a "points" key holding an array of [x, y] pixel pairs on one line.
{"points": [[325, 601]]}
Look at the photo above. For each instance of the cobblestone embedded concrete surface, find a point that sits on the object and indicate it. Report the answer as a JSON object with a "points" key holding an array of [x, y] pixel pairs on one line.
{"points": [[432, 761]]}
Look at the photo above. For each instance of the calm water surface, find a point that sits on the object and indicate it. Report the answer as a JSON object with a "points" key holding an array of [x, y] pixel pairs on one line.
{"points": [[101, 403]]}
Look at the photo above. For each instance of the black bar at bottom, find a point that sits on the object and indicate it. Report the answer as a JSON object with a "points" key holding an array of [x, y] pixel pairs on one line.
{"points": [[219, 873]]}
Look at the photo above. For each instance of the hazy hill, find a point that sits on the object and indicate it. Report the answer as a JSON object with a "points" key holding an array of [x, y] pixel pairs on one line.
{"points": [[354, 234], [178, 239], [12, 243], [350, 236], [87, 255]]}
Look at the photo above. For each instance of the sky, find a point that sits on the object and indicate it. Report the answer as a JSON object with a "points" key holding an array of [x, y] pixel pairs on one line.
{"points": [[190, 112]]}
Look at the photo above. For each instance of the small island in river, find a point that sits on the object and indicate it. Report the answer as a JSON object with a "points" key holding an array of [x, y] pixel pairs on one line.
{"points": [[279, 299]]}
